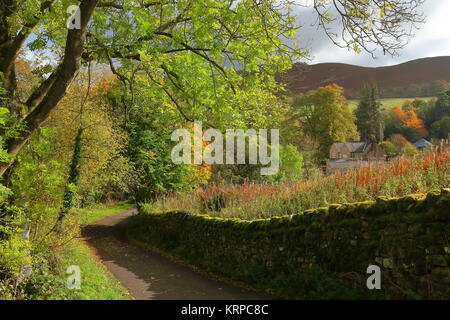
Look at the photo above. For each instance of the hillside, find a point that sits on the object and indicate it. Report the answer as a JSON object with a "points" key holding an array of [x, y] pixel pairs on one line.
{"points": [[402, 80]]}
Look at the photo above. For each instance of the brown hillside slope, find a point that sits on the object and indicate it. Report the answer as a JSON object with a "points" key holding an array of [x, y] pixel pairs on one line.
{"points": [[302, 78]]}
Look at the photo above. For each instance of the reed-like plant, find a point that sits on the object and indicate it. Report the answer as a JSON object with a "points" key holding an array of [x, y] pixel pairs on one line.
{"points": [[401, 176]]}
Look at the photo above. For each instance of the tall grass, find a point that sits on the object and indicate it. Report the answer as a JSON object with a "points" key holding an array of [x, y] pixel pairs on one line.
{"points": [[401, 176]]}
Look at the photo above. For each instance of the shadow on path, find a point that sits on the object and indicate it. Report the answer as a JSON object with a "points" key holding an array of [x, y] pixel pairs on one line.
{"points": [[148, 275]]}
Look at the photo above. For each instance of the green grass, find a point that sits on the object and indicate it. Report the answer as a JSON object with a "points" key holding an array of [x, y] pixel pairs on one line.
{"points": [[388, 103], [97, 283], [87, 216]]}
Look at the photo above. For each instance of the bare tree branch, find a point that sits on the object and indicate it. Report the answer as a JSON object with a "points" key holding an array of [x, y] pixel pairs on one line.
{"points": [[371, 24]]}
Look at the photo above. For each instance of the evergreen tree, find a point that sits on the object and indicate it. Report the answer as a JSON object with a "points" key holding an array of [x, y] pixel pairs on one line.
{"points": [[368, 114]]}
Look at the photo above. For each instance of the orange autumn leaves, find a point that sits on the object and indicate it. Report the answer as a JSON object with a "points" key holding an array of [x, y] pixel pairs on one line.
{"points": [[411, 120]]}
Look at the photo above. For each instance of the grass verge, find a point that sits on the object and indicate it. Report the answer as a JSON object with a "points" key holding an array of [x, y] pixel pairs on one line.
{"points": [[97, 283], [94, 214]]}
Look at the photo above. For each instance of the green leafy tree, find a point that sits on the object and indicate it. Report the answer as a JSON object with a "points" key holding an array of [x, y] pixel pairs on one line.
{"points": [[389, 148], [149, 151], [148, 124], [423, 109], [398, 145], [409, 150], [435, 113], [291, 164], [440, 129], [441, 107]]}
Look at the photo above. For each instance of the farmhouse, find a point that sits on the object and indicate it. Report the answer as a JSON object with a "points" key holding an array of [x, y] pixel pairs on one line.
{"points": [[347, 155], [422, 144]]}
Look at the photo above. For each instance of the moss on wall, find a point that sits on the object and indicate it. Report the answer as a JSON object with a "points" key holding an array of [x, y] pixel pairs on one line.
{"points": [[320, 253]]}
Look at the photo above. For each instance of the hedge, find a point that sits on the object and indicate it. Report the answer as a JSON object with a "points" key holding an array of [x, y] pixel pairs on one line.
{"points": [[319, 253]]}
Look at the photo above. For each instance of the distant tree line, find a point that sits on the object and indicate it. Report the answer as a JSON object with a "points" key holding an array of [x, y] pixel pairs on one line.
{"points": [[432, 89], [416, 90]]}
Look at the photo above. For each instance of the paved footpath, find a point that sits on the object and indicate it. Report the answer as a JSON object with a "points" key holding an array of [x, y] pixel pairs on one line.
{"points": [[148, 275]]}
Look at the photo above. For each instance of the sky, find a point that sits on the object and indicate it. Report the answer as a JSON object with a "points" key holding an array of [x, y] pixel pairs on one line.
{"points": [[432, 39]]}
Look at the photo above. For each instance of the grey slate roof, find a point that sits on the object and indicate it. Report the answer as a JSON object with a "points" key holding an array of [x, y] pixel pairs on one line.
{"points": [[422, 143], [357, 147]]}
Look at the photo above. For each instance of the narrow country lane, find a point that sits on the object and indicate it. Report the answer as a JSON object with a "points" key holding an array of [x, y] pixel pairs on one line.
{"points": [[148, 275]]}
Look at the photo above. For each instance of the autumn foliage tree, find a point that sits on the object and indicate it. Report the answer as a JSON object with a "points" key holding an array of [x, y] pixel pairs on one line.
{"points": [[324, 115], [410, 124], [86, 116]]}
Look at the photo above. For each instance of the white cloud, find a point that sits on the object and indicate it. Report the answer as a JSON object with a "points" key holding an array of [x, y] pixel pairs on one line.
{"points": [[433, 39]]}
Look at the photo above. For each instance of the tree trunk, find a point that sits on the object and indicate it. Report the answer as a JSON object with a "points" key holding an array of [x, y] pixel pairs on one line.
{"points": [[51, 91]]}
